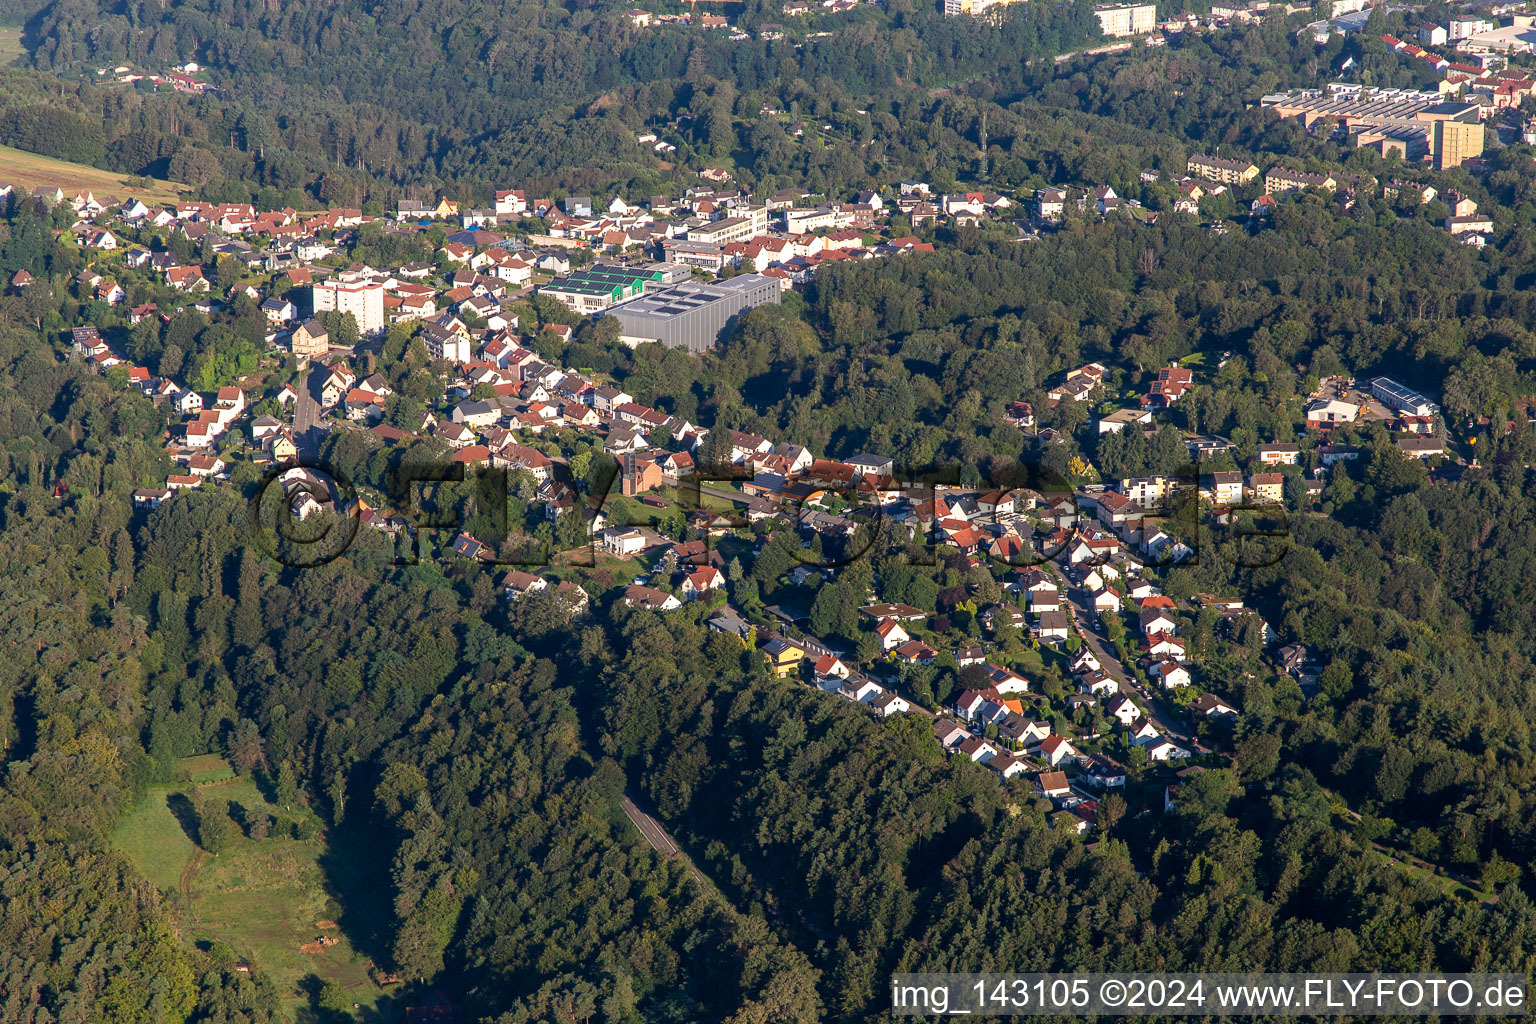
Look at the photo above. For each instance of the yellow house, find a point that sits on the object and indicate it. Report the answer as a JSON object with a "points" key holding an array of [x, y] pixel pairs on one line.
{"points": [[282, 448], [784, 658], [446, 208]]}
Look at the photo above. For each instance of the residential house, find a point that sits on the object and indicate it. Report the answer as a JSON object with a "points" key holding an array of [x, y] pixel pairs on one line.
{"points": [[517, 584], [915, 652], [1164, 750], [309, 339], [1224, 487], [1098, 684], [1266, 488], [187, 279], [783, 657], [1104, 772], [1143, 732], [965, 656], [1212, 706], [1124, 711], [1164, 645], [1056, 749], [1104, 602], [1278, 454], [1044, 599], [622, 542], [1052, 785], [830, 667], [477, 413], [862, 691], [891, 634], [151, 498], [1420, 447], [649, 598], [279, 311], [702, 582], [1052, 626], [1117, 421], [978, 750], [1006, 681], [950, 734], [1170, 674]]}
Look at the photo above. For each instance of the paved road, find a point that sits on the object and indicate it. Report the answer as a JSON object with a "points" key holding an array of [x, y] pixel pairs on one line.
{"points": [[661, 842], [1093, 52], [307, 429], [651, 829], [1085, 617]]}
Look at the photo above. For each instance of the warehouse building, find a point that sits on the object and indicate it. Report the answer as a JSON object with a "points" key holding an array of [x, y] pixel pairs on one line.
{"points": [[1412, 125], [694, 315], [1402, 399], [598, 287]]}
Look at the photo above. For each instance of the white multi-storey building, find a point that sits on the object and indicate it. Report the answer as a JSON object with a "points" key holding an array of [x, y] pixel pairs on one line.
{"points": [[1127, 19], [361, 297]]}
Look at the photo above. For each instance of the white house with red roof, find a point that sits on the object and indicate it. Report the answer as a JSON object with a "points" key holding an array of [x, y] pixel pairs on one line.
{"points": [[1164, 646], [970, 703], [1055, 749], [700, 582], [187, 279], [915, 652], [891, 634], [830, 667], [1170, 674], [1006, 681]]}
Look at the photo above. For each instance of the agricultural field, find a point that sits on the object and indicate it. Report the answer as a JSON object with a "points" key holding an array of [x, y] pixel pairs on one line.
{"points": [[33, 171], [270, 900]]}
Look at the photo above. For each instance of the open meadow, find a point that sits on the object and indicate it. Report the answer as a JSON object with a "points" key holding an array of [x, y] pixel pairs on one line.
{"points": [[266, 899], [32, 171]]}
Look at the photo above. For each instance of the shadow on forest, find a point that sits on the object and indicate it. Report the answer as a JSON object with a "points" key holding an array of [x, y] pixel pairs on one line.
{"points": [[185, 814], [356, 868]]}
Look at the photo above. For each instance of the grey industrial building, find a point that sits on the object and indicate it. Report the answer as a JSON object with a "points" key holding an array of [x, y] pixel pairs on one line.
{"points": [[1402, 399], [692, 315]]}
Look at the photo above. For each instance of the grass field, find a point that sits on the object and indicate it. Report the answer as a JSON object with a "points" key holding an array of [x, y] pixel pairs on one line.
{"points": [[155, 841], [11, 49], [1202, 363], [207, 768], [33, 171], [264, 899]]}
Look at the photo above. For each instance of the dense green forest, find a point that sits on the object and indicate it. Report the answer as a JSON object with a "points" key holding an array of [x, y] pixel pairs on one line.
{"points": [[475, 95], [479, 751], [483, 750], [346, 107]]}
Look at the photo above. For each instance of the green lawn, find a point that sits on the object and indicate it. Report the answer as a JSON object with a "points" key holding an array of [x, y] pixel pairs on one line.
{"points": [[264, 899], [154, 840], [1202, 363], [11, 50], [207, 768]]}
